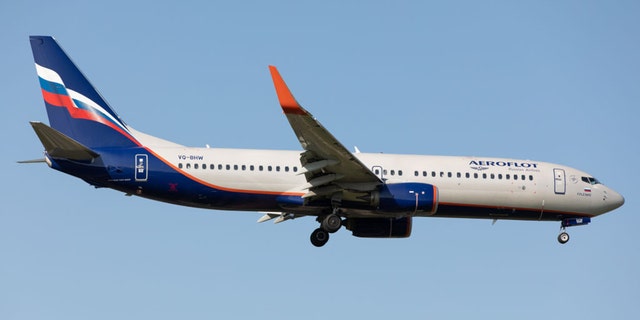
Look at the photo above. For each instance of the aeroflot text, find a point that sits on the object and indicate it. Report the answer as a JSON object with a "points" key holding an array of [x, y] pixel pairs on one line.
{"points": [[503, 164]]}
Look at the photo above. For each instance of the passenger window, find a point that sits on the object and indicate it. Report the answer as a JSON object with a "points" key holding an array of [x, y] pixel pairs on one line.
{"points": [[433, 174], [228, 167], [399, 172], [449, 174], [251, 167], [467, 175], [424, 173], [188, 165], [261, 168], [376, 171], [393, 172], [235, 167], [508, 177], [441, 174], [484, 176], [475, 175], [278, 168], [212, 167], [493, 176], [286, 169], [515, 177], [295, 169], [270, 168], [179, 165], [244, 167], [530, 178], [459, 175], [499, 176], [195, 166], [415, 173], [523, 177]]}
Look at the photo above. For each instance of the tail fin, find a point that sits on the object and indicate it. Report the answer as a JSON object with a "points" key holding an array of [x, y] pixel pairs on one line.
{"points": [[74, 106]]}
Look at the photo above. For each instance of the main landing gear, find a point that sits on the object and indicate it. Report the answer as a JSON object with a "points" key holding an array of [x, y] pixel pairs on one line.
{"points": [[328, 224]]}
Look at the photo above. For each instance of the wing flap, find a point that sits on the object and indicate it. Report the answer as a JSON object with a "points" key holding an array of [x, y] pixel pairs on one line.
{"points": [[278, 216], [316, 166]]}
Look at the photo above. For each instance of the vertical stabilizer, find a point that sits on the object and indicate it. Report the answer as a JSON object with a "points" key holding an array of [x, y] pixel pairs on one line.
{"points": [[75, 108]]}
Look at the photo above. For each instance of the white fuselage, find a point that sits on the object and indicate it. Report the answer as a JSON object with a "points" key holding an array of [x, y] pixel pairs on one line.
{"points": [[472, 182]]}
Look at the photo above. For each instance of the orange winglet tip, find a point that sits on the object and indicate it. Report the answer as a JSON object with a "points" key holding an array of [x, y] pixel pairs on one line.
{"points": [[287, 101]]}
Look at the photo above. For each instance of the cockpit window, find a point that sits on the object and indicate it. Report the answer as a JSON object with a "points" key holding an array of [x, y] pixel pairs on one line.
{"points": [[591, 180]]}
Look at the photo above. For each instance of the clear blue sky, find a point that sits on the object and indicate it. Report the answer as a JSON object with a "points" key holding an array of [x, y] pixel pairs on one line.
{"points": [[555, 81]]}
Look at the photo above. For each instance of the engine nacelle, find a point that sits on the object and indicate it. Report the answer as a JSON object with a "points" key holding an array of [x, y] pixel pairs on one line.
{"points": [[379, 227], [407, 197]]}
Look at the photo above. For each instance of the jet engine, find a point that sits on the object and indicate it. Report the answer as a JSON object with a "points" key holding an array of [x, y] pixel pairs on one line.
{"points": [[407, 198]]}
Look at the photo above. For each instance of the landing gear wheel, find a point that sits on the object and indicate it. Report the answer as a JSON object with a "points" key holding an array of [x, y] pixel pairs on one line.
{"points": [[563, 237], [331, 223], [319, 237]]}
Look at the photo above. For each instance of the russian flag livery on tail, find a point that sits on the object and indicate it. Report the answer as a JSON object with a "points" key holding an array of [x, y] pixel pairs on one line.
{"points": [[372, 195], [74, 106]]}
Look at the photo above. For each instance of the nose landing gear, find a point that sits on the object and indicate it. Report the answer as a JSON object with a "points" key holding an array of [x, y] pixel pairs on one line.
{"points": [[563, 237]]}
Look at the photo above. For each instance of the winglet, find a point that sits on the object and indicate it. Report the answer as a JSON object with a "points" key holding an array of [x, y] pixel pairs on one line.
{"points": [[287, 101]]}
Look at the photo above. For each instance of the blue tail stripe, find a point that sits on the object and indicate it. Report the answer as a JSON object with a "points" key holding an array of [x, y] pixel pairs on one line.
{"points": [[47, 53], [52, 87], [84, 106], [57, 88], [90, 120]]}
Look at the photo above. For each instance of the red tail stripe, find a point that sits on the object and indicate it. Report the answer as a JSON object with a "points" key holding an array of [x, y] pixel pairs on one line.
{"points": [[60, 100]]}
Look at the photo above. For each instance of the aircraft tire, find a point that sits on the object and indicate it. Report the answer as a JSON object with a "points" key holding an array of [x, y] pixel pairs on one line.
{"points": [[319, 237], [563, 238], [331, 223]]}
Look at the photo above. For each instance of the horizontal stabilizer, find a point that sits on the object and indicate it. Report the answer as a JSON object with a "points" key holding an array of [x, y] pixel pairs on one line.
{"points": [[41, 160], [59, 145]]}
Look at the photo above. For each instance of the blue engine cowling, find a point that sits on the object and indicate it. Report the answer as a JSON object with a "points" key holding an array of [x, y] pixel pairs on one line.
{"points": [[379, 227], [407, 197]]}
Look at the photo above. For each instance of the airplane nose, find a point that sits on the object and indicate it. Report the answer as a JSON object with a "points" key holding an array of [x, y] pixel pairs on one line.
{"points": [[614, 200]]}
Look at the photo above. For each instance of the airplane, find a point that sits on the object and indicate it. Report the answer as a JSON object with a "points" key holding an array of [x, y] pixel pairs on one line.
{"points": [[373, 195]]}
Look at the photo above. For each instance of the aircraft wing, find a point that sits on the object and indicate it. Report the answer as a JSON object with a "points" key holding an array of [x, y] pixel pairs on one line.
{"points": [[332, 172]]}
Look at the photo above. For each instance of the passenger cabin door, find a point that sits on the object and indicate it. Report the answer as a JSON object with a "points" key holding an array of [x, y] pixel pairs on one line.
{"points": [[560, 184]]}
